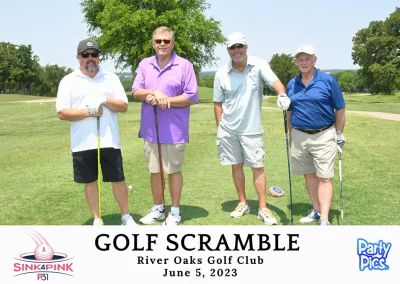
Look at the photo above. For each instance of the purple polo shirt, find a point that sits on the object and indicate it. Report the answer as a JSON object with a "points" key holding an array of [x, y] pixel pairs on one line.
{"points": [[177, 78]]}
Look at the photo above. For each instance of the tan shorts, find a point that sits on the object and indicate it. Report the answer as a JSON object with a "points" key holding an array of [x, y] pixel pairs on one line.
{"points": [[314, 153], [234, 149], [172, 156]]}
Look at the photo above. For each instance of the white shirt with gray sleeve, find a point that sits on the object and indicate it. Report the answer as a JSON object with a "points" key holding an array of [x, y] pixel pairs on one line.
{"points": [[241, 94]]}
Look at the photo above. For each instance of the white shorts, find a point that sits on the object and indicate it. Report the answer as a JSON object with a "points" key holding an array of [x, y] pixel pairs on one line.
{"points": [[234, 149]]}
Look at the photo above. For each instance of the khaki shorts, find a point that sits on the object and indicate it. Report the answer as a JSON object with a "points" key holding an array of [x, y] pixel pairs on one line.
{"points": [[314, 153], [172, 156], [234, 149]]}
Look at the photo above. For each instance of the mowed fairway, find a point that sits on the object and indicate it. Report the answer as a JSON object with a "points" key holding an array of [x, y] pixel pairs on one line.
{"points": [[37, 188]]}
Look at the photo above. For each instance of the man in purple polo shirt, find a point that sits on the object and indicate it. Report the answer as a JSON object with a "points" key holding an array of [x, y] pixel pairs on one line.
{"points": [[169, 82]]}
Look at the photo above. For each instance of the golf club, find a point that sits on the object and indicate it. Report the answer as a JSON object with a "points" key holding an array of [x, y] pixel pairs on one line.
{"points": [[98, 167], [340, 182], [160, 163], [288, 162]]}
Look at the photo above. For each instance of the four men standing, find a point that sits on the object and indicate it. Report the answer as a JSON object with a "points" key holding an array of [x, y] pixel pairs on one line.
{"points": [[166, 84]]}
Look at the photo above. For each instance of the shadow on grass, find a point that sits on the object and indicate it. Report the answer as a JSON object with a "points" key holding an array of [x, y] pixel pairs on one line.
{"points": [[187, 212], [302, 209], [299, 209], [229, 206]]}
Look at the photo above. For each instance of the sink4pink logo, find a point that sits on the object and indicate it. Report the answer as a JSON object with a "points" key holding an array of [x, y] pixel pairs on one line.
{"points": [[43, 261]]}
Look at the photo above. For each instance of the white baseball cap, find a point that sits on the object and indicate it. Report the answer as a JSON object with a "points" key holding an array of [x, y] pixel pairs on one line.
{"points": [[305, 49], [235, 38]]}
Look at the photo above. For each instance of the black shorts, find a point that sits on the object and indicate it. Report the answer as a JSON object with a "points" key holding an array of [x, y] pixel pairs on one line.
{"points": [[85, 165]]}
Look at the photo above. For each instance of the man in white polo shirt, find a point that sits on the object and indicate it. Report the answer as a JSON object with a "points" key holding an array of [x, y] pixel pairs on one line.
{"points": [[238, 96], [83, 96]]}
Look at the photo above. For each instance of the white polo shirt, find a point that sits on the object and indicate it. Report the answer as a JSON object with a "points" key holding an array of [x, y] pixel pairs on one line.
{"points": [[73, 91], [241, 94]]}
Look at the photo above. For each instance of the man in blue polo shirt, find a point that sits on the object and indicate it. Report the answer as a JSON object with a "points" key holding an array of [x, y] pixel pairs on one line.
{"points": [[316, 119]]}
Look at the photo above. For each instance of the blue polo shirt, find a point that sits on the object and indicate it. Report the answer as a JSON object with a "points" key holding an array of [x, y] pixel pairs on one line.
{"points": [[313, 107]]}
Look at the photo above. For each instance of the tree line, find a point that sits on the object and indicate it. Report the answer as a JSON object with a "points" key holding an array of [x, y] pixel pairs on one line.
{"points": [[284, 67], [20, 72]]}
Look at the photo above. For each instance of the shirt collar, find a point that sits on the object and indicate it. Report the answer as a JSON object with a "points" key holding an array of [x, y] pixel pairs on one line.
{"points": [[174, 60], [317, 76]]}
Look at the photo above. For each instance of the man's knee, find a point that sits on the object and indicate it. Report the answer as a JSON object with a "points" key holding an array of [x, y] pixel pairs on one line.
{"points": [[258, 170], [325, 180]]}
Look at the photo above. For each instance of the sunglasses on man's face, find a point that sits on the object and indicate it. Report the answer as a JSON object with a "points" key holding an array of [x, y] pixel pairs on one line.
{"points": [[239, 46], [159, 41], [93, 54]]}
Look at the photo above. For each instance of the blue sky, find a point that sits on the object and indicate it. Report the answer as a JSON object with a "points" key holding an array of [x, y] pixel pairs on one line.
{"points": [[54, 27]]}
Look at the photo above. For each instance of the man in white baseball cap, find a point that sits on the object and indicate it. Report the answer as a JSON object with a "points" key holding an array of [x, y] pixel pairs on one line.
{"points": [[308, 49], [316, 119], [236, 38]]}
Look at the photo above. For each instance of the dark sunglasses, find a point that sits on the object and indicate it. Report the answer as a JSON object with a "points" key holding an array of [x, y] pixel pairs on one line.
{"points": [[159, 41], [93, 54], [239, 46]]}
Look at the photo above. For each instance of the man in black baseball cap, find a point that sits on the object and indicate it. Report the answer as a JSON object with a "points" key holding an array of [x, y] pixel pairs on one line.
{"points": [[90, 99], [86, 44]]}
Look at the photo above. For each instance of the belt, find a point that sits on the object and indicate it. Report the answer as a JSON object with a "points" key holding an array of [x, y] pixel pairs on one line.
{"points": [[314, 131]]}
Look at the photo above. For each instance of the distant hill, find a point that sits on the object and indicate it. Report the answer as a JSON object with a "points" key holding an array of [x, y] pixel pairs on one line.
{"points": [[333, 71], [207, 73], [124, 75]]}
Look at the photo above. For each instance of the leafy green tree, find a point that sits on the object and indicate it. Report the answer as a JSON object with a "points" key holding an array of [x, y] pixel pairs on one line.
{"points": [[8, 59], [359, 80], [376, 50], [206, 81], [346, 81], [50, 79], [35, 79], [284, 67], [124, 29], [23, 71]]}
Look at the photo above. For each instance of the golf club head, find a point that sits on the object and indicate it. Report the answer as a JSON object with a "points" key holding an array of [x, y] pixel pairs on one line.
{"points": [[288, 224]]}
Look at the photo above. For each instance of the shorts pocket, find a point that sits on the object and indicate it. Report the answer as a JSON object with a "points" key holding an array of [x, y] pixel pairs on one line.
{"points": [[259, 151], [220, 150]]}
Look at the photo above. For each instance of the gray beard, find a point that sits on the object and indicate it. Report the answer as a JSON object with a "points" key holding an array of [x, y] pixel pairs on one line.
{"points": [[91, 69]]}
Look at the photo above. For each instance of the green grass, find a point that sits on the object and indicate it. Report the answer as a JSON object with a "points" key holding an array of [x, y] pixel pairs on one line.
{"points": [[4, 98], [37, 187]]}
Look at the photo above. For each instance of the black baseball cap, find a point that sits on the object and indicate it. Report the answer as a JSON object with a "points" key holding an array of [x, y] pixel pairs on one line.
{"points": [[86, 44]]}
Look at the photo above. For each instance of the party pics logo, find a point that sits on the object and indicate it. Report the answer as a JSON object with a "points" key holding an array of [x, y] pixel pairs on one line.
{"points": [[43, 261], [373, 256]]}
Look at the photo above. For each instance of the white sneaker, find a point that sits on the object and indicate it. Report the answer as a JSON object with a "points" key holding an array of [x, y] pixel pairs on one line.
{"points": [[152, 216], [98, 222], [312, 216], [240, 210], [172, 220], [127, 220], [266, 215]]}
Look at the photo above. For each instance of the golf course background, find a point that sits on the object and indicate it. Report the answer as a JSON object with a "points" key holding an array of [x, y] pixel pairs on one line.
{"points": [[36, 176]]}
